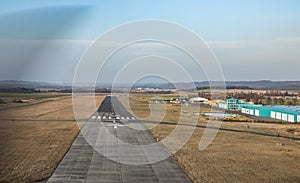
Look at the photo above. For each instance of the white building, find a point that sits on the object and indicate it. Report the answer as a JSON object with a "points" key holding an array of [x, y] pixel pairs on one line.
{"points": [[198, 100]]}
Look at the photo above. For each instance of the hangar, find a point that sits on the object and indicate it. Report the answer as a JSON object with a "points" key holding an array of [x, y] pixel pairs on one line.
{"points": [[284, 113]]}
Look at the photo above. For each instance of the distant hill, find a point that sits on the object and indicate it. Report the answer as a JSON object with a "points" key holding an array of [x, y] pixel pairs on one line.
{"points": [[30, 84], [263, 84]]}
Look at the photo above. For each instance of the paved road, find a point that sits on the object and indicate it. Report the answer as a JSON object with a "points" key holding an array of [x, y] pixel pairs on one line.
{"points": [[116, 160]]}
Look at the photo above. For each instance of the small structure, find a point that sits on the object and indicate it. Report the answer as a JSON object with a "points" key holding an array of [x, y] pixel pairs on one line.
{"points": [[158, 101], [198, 100], [178, 100], [220, 115]]}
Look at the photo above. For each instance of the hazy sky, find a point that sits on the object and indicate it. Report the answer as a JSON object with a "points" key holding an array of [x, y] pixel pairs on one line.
{"points": [[253, 40]]}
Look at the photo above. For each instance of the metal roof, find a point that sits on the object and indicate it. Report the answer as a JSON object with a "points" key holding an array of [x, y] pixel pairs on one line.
{"points": [[232, 98], [278, 108]]}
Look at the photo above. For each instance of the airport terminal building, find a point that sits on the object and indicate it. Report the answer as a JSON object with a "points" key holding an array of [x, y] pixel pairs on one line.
{"points": [[234, 104]]}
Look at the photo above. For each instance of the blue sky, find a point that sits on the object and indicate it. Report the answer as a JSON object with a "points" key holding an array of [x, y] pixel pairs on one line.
{"points": [[253, 40]]}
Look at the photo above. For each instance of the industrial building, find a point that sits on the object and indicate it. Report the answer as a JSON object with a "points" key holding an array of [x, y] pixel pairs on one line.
{"points": [[234, 104], [284, 113]]}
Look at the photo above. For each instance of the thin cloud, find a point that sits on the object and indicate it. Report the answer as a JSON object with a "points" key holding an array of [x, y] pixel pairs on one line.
{"points": [[225, 44], [236, 44], [288, 39]]}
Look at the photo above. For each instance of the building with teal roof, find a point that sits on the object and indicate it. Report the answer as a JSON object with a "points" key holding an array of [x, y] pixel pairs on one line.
{"points": [[284, 113], [234, 104]]}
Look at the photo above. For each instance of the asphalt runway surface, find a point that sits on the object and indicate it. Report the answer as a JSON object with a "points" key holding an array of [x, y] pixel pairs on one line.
{"points": [[114, 146]]}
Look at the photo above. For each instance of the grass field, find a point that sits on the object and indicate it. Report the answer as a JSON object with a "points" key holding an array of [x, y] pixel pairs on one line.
{"points": [[34, 96], [235, 155], [34, 138]]}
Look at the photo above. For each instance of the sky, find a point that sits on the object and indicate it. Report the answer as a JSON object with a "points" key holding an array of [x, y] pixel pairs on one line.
{"points": [[252, 40]]}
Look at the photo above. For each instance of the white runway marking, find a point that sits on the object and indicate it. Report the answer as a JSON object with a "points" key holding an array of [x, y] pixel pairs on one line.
{"points": [[122, 117]]}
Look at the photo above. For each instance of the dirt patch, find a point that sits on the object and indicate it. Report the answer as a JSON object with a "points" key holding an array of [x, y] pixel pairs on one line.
{"points": [[293, 130]]}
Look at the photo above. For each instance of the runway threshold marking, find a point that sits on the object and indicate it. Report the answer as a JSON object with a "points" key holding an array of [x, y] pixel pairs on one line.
{"points": [[104, 117]]}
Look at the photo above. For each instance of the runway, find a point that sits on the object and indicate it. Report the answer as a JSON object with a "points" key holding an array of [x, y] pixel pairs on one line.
{"points": [[114, 146]]}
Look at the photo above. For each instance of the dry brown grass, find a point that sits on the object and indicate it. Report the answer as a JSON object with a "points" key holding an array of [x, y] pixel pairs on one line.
{"points": [[31, 150], [240, 157], [233, 156], [34, 139]]}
